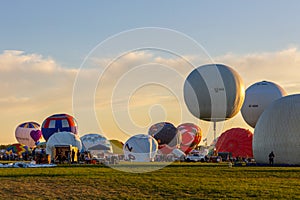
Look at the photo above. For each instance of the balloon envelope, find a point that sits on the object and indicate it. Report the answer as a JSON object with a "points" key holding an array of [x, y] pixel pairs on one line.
{"points": [[258, 97], [17, 149], [58, 123], [28, 133], [214, 92], [238, 141], [95, 144], [277, 130], [191, 136], [63, 138], [140, 148], [167, 136], [117, 146], [36, 135]]}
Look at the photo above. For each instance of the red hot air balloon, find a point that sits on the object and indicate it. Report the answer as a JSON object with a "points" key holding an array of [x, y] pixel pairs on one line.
{"points": [[237, 141], [191, 136]]}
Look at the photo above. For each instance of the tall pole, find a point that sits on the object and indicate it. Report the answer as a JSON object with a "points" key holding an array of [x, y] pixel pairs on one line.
{"points": [[215, 130]]}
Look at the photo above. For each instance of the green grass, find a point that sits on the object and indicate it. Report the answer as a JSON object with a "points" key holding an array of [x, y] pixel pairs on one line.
{"points": [[176, 181]]}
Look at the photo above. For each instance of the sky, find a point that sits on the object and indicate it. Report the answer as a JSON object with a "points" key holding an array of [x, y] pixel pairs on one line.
{"points": [[95, 60]]}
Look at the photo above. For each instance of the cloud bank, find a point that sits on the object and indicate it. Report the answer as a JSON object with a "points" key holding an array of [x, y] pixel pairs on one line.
{"points": [[34, 86]]}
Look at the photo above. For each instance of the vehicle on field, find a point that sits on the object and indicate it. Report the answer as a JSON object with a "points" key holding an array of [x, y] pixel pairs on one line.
{"points": [[195, 158]]}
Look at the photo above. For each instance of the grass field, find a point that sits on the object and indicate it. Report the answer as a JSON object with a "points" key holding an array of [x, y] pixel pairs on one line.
{"points": [[176, 181]]}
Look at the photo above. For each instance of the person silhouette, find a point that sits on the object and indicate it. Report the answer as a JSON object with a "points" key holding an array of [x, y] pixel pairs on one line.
{"points": [[271, 158]]}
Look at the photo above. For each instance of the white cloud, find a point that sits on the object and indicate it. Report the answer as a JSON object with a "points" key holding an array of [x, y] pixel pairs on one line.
{"points": [[281, 67], [12, 60], [33, 86]]}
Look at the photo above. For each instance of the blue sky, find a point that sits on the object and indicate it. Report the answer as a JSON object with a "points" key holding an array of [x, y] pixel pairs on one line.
{"points": [[48, 42], [68, 30]]}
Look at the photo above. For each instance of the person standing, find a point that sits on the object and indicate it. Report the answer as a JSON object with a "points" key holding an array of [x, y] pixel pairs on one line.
{"points": [[271, 158], [73, 155]]}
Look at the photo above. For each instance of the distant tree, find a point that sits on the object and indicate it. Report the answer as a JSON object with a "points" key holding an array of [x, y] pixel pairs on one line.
{"points": [[4, 146]]}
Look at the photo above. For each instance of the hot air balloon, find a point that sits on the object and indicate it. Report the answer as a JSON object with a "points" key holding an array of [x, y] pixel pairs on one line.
{"points": [[95, 144], [277, 130], [63, 138], [237, 141], [191, 136], [214, 92], [258, 97], [117, 146], [58, 123], [140, 148], [17, 149], [28, 133], [167, 136]]}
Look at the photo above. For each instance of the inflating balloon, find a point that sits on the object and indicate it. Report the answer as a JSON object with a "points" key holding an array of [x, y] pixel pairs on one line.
{"points": [[17, 149], [237, 141], [117, 146], [63, 138], [95, 142], [167, 136], [191, 136], [140, 148], [277, 130]]}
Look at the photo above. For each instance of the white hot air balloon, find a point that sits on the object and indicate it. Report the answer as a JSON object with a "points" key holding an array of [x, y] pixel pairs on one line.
{"points": [[258, 97], [62, 138], [140, 148], [277, 130], [95, 143]]}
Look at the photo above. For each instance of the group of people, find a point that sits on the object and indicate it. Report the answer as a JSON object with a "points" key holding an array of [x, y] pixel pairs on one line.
{"points": [[14, 156], [68, 156]]}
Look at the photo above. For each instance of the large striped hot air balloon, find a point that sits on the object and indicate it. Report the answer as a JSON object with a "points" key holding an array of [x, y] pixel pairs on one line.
{"points": [[58, 123], [214, 92]]}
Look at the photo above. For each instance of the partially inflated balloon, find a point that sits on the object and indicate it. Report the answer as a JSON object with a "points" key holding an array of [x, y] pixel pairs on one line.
{"points": [[117, 146], [63, 138], [237, 141], [17, 149], [191, 136], [167, 136], [277, 130], [94, 141], [140, 148]]}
